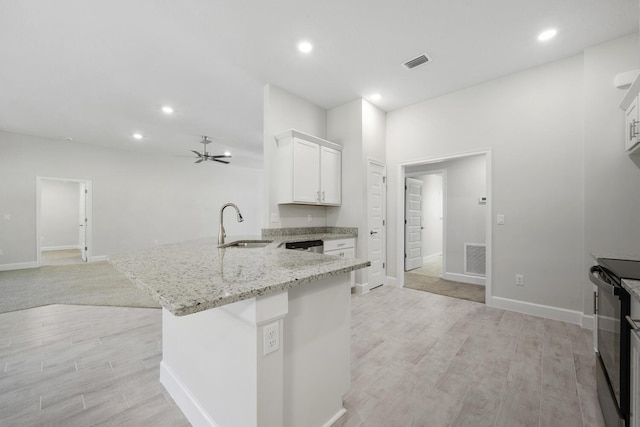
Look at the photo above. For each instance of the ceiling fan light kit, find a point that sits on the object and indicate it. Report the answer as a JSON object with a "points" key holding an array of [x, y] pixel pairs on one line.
{"points": [[207, 156]]}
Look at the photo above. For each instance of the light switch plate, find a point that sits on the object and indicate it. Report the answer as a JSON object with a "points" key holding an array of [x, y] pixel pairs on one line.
{"points": [[500, 219], [275, 217]]}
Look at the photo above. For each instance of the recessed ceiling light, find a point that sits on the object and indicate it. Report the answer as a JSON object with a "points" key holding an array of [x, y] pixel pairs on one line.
{"points": [[376, 97], [137, 135], [69, 138], [305, 47], [547, 35], [167, 109]]}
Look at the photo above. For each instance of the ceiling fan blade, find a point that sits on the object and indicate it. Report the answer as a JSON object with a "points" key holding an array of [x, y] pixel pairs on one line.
{"points": [[199, 160], [221, 156], [198, 154], [218, 160]]}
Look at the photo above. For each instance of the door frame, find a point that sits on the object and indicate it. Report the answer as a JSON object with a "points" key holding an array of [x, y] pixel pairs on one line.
{"points": [[374, 161], [442, 172], [401, 173], [89, 213]]}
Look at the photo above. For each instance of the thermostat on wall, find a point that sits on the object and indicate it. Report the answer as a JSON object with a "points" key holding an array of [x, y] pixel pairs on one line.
{"points": [[482, 200]]}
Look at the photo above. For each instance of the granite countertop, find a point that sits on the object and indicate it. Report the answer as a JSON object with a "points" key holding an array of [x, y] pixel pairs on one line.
{"points": [[194, 276]]}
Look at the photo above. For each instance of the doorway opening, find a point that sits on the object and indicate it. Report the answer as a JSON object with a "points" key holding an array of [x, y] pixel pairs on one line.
{"points": [[63, 229], [445, 226]]}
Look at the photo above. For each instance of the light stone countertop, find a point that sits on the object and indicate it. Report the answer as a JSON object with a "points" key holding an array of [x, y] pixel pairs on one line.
{"points": [[194, 276], [633, 287]]}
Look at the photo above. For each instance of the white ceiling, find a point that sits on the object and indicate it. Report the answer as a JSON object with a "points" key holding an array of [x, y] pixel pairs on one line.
{"points": [[97, 71]]}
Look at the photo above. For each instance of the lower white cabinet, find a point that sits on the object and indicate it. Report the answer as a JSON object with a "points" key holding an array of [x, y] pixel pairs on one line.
{"points": [[634, 419], [345, 248], [634, 400]]}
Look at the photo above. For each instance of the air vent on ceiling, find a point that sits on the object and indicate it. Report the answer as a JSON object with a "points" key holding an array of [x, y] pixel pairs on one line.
{"points": [[417, 61]]}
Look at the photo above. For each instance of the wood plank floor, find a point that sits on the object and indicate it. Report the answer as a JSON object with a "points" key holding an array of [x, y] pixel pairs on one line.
{"points": [[419, 359]]}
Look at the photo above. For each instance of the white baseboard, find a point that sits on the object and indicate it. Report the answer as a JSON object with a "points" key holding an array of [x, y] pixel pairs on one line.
{"points": [[391, 281], [59, 248], [431, 257], [464, 278], [361, 288], [99, 258], [183, 398], [587, 321], [335, 418], [546, 311], [18, 266]]}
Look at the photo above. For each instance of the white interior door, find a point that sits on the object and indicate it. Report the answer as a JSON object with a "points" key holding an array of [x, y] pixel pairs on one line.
{"points": [[413, 224], [82, 219], [375, 251]]}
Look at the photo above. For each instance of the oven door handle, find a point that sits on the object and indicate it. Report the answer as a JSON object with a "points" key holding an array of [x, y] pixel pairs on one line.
{"points": [[594, 276], [632, 323]]}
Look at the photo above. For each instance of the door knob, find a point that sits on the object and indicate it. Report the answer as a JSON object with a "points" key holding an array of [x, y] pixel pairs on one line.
{"points": [[373, 232]]}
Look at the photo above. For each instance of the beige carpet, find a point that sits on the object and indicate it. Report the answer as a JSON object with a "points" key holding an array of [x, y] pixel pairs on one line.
{"points": [[438, 285], [82, 284]]}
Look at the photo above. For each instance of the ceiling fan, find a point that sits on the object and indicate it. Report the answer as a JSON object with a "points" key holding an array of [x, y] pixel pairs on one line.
{"points": [[207, 156]]}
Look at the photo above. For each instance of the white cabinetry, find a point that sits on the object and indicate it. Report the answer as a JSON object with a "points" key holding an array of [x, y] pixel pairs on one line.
{"points": [[634, 401], [632, 117], [309, 170], [345, 248]]}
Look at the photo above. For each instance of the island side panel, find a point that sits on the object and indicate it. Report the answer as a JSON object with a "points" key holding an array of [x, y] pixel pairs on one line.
{"points": [[317, 340], [214, 367]]}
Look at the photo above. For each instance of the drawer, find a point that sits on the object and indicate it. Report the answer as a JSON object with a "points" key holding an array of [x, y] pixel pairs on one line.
{"points": [[332, 245]]}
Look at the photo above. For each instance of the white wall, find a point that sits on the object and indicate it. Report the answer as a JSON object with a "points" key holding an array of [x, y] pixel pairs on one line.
{"points": [[60, 215], [344, 127], [137, 197], [612, 178], [532, 122], [360, 128], [283, 111]]}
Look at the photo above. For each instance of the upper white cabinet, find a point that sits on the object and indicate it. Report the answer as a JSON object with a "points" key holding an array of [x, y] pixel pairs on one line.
{"points": [[309, 169], [632, 117]]}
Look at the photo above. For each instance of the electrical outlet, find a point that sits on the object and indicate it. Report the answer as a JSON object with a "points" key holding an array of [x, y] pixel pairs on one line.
{"points": [[275, 217], [271, 338], [519, 280], [1, 252], [309, 218]]}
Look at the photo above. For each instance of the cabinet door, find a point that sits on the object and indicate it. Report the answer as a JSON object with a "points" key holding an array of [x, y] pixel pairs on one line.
{"points": [[348, 253], [330, 176], [634, 419], [306, 171], [632, 126]]}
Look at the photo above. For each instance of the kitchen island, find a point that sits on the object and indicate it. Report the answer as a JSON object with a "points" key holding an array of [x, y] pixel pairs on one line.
{"points": [[251, 336]]}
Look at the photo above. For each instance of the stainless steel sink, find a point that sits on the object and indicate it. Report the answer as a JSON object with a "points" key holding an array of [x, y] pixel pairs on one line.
{"points": [[247, 244]]}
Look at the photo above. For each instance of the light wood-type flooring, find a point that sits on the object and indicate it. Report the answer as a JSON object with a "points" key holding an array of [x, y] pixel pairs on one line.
{"points": [[61, 257], [419, 359]]}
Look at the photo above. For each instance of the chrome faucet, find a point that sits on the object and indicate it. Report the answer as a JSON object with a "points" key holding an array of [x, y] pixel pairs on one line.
{"points": [[221, 233]]}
